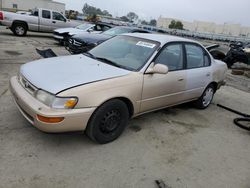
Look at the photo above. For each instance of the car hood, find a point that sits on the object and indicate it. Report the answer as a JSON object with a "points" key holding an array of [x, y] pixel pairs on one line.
{"points": [[69, 30], [60, 73], [91, 38]]}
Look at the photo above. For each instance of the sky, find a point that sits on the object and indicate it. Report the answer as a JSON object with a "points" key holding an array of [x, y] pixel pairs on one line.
{"points": [[218, 11]]}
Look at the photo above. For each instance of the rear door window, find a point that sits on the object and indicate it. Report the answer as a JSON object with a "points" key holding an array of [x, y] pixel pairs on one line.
{"points": [[196, 56], [46, 14]]}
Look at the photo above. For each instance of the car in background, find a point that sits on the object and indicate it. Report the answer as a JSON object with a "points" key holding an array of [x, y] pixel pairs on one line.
{"points": [[63, 34], [41, 20], [84, 42], [123, 77]]}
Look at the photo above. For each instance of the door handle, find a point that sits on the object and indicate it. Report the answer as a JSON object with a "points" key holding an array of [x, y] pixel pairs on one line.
{"points": [[208, 74], [54, 22], [181, 79]]}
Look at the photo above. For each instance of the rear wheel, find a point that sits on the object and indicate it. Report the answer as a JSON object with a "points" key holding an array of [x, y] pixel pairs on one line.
{"points": [[19, 29], [206, 98], [108, 122]]}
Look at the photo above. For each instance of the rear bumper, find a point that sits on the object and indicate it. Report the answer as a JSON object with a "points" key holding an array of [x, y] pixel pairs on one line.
{"points": [[74, 119]]}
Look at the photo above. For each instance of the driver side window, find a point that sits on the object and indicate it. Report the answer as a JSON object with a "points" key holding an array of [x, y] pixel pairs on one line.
{"points": [[172, 56]]}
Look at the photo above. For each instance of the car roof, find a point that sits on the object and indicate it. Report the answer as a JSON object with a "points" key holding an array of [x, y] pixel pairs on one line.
{"points": [[161, 38]]}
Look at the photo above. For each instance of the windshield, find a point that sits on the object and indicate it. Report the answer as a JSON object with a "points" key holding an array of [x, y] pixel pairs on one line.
{"points": [[116, 31], [127, 52], [84, 26]]}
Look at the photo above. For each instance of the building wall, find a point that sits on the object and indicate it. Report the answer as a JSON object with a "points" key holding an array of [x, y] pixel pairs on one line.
{"points": [[208, 27], [205, 27], [231, 29], [31, 4], [219, 29], [245, 31], [165, 22], [188, 25]]}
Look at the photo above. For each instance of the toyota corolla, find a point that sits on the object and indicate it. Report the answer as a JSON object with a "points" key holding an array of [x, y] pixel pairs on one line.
{"points": [[123, 77]]}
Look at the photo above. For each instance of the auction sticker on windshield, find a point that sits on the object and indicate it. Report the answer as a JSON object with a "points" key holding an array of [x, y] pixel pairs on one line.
{"points": [[145, 44]]}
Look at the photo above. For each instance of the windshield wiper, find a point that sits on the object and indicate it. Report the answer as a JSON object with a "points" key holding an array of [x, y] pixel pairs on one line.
{"points": [[89, 55], [105, 60]]}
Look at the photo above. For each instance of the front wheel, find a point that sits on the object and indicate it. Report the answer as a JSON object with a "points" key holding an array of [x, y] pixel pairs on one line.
{"points": [[108, 122], [206, 98]]}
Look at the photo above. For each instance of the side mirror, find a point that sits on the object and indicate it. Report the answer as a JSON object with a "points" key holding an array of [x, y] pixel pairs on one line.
{"points": [[157, 69]]}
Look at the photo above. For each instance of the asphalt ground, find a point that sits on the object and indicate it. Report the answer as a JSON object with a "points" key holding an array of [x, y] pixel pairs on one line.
{"points": [[182, 146]]}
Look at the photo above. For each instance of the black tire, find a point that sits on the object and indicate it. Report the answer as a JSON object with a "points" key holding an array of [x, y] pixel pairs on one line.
{"points": [[204, 102], [19, 29], [108, 122]]}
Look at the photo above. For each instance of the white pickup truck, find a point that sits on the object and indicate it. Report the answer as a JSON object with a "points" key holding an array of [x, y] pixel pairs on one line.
{"points": [[42, 20]]}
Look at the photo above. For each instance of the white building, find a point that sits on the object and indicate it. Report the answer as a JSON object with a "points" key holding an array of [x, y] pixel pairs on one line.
{"points": [[26, 5], [204, 27], [208, 27]]}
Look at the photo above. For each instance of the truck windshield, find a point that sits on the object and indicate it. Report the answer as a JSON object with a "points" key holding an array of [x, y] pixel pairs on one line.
{"points": [[127, 52]]}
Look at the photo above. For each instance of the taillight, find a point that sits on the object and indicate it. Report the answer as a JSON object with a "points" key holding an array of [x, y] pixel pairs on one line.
{"points": [[1, 15]]}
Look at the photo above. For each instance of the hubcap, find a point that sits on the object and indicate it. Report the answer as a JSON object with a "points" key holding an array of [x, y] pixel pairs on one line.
{"points": [[110, 122], [208, 96], [20, 30]]}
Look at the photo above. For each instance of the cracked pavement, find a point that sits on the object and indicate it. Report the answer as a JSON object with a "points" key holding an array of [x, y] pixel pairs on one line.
{"points": [[182, 146]]}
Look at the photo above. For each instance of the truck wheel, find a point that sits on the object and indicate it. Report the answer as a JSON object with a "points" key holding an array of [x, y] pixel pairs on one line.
{"points": [[108, 122], [19, 29]]}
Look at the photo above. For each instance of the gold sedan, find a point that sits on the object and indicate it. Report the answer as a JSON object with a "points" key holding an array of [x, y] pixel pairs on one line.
{"points": [[124, 77]]}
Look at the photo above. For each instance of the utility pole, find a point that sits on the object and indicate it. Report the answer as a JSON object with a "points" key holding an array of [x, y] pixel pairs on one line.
{"points": [[1, 4]]}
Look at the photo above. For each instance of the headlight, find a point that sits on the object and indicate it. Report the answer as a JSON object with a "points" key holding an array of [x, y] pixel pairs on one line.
{"points": [[56, 102]]}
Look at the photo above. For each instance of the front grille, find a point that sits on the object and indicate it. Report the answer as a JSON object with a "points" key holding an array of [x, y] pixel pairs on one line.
{"points": [[27, 85]]}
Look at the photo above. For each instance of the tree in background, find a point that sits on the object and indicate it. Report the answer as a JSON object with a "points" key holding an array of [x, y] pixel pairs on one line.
{"points": [[176, 25], [179, 25], [153, 22], [94, 18], [91, 10], [124, 18], [144, 22], [132, 16]]}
